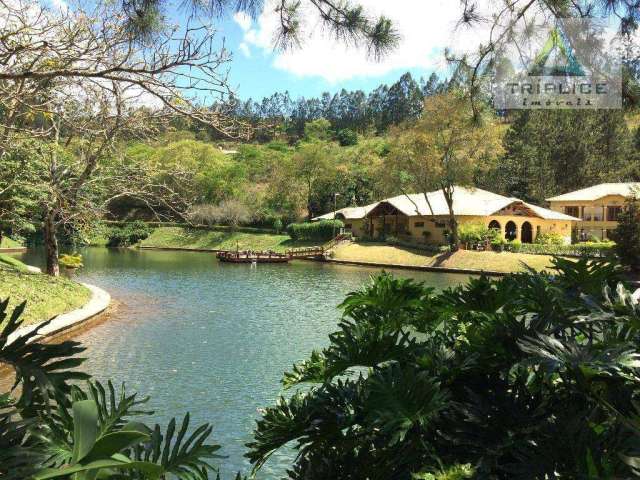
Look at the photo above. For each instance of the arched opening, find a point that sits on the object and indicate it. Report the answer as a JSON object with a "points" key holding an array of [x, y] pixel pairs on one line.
{"points": [[495, 225], [527, 233], [511, 231]]}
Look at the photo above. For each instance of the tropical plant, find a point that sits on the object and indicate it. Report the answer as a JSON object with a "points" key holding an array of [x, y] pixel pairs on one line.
{"points": [[57, 423], [71, 260], [535, 375]]}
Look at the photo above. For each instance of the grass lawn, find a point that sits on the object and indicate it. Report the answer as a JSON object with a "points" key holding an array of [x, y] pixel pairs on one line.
{"points": [[9, 243], [178, 237], [46, 296], [382, 253]]}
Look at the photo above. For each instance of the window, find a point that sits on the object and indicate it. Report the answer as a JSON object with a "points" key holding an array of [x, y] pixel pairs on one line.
{"points": [[572, 211], [612, 213], [419, 224], [441, 225], [348, 225]]}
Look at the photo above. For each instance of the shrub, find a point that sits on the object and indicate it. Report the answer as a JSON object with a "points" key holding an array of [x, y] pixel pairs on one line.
{"points": [[550, 238], [476, 233], [585, 249], [514, 245], [531, 376], [232, 213], [71, 261], [277, 225], [347, 137], [498, 243], [322, 230], [128, 234], [627, 234]]}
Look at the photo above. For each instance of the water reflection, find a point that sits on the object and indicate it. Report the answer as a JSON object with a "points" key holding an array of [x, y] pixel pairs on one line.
{"points": [[211, 338]]}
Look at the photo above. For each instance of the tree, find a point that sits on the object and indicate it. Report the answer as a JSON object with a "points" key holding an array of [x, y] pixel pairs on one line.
{"points": [[627, 233], [541, 147], [442, 150], [497, 377], [506, 20], [313, 162]]}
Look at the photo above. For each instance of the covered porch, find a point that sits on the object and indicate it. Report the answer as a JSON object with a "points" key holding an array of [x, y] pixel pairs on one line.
{"points": [[384, 220]]}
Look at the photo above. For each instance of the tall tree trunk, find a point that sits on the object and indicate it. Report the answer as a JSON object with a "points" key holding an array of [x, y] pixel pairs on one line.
{"points": [[454, 240], [51, 243]]}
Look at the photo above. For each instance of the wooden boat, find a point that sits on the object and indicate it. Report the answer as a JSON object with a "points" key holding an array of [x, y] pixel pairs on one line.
{"points": [[252, 257]]}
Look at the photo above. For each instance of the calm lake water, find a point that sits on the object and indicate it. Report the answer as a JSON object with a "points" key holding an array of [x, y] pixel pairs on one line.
{"points": [[211, 338]]}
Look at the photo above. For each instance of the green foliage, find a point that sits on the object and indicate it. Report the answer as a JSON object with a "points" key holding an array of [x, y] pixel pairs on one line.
{"points": [[58, 429], [128, 234], [347, 137], [321, 230], [627, 234], [476, 233], [71, 261], [13, 263], [534, 375], [584, 249], [550, 238]]}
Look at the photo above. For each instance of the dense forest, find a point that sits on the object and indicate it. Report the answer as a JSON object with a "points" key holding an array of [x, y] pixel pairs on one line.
{"points": [[303, 152]]}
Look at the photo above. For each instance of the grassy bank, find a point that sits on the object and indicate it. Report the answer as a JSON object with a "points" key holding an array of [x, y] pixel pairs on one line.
{"points": [[178, 237], [498, 262], [45, 296], [9, 243]]}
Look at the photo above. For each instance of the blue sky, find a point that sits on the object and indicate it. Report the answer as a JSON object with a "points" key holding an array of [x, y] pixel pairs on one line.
{"points": [[322, 64]]}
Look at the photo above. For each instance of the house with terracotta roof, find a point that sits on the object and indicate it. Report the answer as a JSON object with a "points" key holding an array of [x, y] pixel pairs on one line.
{"points": [[597, 207], [424, 218]]}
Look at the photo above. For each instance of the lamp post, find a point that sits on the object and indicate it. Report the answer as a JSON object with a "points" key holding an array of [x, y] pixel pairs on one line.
{"points": [[335, 207]]}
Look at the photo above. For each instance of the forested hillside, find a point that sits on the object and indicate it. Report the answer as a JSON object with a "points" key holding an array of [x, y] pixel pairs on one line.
{"points": [[303, 152]]}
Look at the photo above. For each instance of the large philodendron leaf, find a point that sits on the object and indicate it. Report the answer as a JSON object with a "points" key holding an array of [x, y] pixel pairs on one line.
{"points": [[92, 452], [39, 367], [181, 456]]}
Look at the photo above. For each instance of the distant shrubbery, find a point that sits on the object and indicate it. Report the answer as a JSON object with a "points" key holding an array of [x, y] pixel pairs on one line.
{"points": [[586, 249], [71, 260], [472, 233], [550, 238], [321, 231], [128, 234]]}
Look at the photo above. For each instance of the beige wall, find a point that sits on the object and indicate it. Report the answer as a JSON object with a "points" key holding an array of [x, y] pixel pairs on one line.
{"points": [[414, 228], [594, 214]]}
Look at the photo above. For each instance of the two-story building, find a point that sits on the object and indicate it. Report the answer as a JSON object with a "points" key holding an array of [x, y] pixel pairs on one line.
{"points": [[424, 218], [597, 208]]}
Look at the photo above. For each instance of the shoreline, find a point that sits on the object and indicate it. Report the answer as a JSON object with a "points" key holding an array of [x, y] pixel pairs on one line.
{"points": [[398, 266], [97, 304]]}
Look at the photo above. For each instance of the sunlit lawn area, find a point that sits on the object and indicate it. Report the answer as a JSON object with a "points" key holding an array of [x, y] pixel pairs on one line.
{"points": [[177, 237], [9, 243], [382, 253], [46, 296]]}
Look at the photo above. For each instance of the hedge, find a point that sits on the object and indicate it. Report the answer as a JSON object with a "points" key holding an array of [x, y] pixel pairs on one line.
{"points": [[586, 249], [322, 230]]}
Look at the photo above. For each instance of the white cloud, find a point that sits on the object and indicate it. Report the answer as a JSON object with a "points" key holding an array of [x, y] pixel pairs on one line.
{"points": [[244, 48], [426, 27], [243, 20]]}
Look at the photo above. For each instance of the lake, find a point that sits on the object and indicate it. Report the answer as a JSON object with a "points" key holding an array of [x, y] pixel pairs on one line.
{"points": [[211, 338]]}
